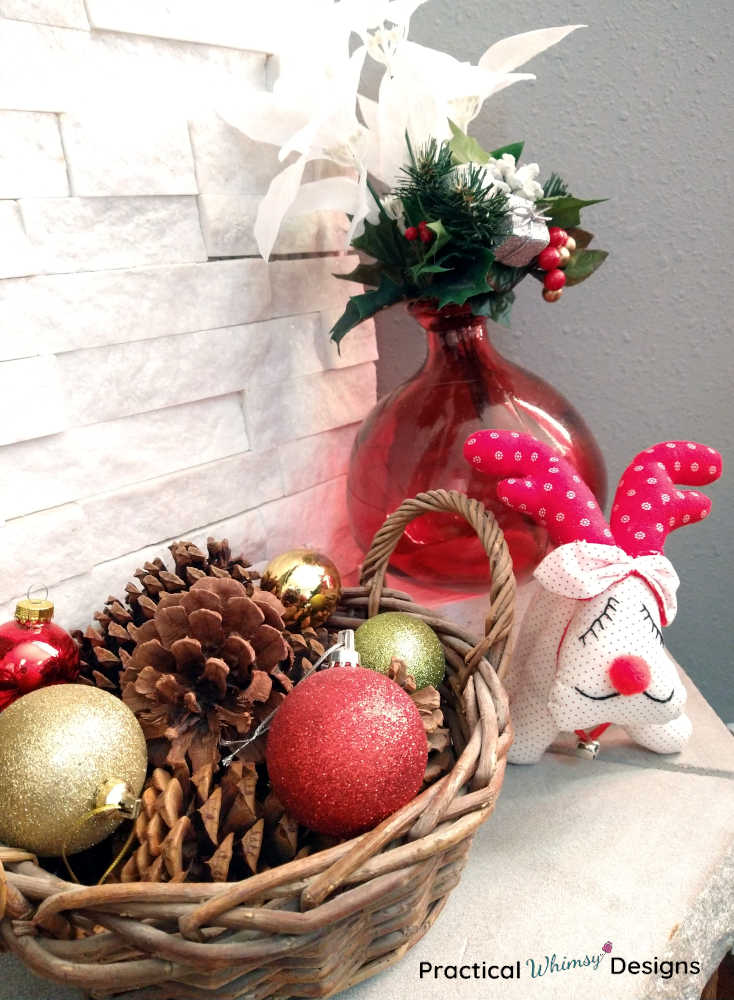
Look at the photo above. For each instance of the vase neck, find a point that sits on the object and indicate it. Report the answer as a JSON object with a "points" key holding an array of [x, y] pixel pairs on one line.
{"points": [[455, 333]]}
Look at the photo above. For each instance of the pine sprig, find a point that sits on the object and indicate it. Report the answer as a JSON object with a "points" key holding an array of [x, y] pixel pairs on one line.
{"points": [[555, 187], [470, 210]]}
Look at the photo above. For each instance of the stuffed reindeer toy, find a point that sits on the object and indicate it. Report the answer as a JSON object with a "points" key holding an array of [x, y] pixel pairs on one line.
{"points": [[590, 650]]}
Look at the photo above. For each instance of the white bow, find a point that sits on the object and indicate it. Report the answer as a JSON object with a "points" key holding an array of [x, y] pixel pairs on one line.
{"points": [[585, 569]]}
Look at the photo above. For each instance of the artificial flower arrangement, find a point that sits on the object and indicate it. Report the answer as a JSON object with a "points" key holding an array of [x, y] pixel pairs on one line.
{"points": [[441, 217]]}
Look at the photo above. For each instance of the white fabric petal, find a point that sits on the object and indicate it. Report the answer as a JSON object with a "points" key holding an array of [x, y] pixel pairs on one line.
{"points": [[336, 194], [265, 118], [275, 205], [509, 53]]}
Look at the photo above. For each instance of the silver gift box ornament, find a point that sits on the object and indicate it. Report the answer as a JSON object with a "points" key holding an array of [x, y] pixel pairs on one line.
{"points": [[529, 234]]}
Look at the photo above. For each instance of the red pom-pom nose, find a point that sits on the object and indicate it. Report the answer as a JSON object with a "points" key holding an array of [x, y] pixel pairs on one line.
{"points": [[629, 674]]}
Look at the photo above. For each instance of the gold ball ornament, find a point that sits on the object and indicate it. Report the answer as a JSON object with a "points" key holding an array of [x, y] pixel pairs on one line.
{"points": [[565, 256], [394, 633], [552, 294], [64, 751], [570, 244], [307, 582]]}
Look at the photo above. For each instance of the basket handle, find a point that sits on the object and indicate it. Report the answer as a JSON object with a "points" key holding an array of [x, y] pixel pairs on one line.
{"points": [[498, 623]]}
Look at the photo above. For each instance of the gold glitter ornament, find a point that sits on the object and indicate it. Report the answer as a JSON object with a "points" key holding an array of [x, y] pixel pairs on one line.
{"points": [[65, 750], [307, 582], [394, 633]]}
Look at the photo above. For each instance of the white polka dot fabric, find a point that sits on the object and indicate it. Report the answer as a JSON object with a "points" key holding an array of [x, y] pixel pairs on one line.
{"points": [[591, 649]]}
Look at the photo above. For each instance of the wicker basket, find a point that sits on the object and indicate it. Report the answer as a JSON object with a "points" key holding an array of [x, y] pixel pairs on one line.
{"points": [[316, 925]]}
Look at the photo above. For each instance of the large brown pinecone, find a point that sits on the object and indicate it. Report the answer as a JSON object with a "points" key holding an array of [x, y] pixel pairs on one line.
{"points": [[200, 666], [101, 647]]}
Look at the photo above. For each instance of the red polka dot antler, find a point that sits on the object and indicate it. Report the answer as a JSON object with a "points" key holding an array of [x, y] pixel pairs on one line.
{"points": [[647, 506], [540, 484]]}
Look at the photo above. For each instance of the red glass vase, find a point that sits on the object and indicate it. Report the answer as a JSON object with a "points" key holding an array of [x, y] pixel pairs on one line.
{"points": [[413, 441]]}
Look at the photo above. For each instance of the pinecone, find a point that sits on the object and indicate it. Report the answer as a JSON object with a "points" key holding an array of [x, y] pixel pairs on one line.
{"points": [[188, 831], [428, 702], [101, 650], [201, 665]]}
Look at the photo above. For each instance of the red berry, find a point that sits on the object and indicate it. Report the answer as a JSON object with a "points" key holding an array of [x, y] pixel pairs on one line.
{"points": [[411, 233], [423, 224], [554, 280], [426, 235], [557, 236], [549, 258]]}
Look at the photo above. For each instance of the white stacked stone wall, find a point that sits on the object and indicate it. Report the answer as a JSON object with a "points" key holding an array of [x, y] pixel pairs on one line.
{"points": [[157, 379]]}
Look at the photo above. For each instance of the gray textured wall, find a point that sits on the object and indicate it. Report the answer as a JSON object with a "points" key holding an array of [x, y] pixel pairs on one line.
{"points": [[638, 107]]}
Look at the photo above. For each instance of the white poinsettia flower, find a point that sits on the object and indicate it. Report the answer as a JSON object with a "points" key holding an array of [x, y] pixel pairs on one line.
{"points": [[381, 24], [423, 88], [320, 123], [509, 53], [422, 92]]}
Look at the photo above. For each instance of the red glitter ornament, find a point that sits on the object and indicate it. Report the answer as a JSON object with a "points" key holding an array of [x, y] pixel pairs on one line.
{"points": [[346, 749], [34, 652]]}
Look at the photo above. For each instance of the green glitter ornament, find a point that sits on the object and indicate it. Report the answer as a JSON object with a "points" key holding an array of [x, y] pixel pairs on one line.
{"points": [[394, 633]]}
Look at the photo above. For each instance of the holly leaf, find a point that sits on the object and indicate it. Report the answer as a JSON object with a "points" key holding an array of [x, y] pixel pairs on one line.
{"points": [[495, 305], [565, 210], [365, 274], [442, 237], [472, 281], [583, 263], [502, 278], [424, 267], [383, 241], [464, 148], [514, 149], [361, 307], [582, 237]]}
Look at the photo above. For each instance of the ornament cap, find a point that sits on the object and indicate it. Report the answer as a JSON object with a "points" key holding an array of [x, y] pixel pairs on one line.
{"points": [[119, 795], [30, 611]]}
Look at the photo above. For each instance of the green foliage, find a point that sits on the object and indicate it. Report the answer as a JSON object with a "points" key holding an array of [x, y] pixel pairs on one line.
{"points": [[365, 274], [384, 241], [464, 148], [436, 189], [501, 307], [564, 210], [361, 307], [514, 149], [445, 186], [582, 237], [582, 264], [555, 187], [457, 287]]}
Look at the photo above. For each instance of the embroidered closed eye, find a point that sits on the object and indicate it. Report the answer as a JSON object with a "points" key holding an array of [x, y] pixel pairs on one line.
{"points": [[653, 624], [598, 623]]}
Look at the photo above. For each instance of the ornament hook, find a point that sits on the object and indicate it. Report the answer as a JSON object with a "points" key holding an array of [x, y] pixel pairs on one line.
{"points": [[33, 589], [341, 654]]}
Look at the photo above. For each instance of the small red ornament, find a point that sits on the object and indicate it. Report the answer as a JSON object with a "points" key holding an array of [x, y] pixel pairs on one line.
{"points": [[557, 236], [34, 652], [554, 280], [549, 258], [411, 233], [346, 749]]}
